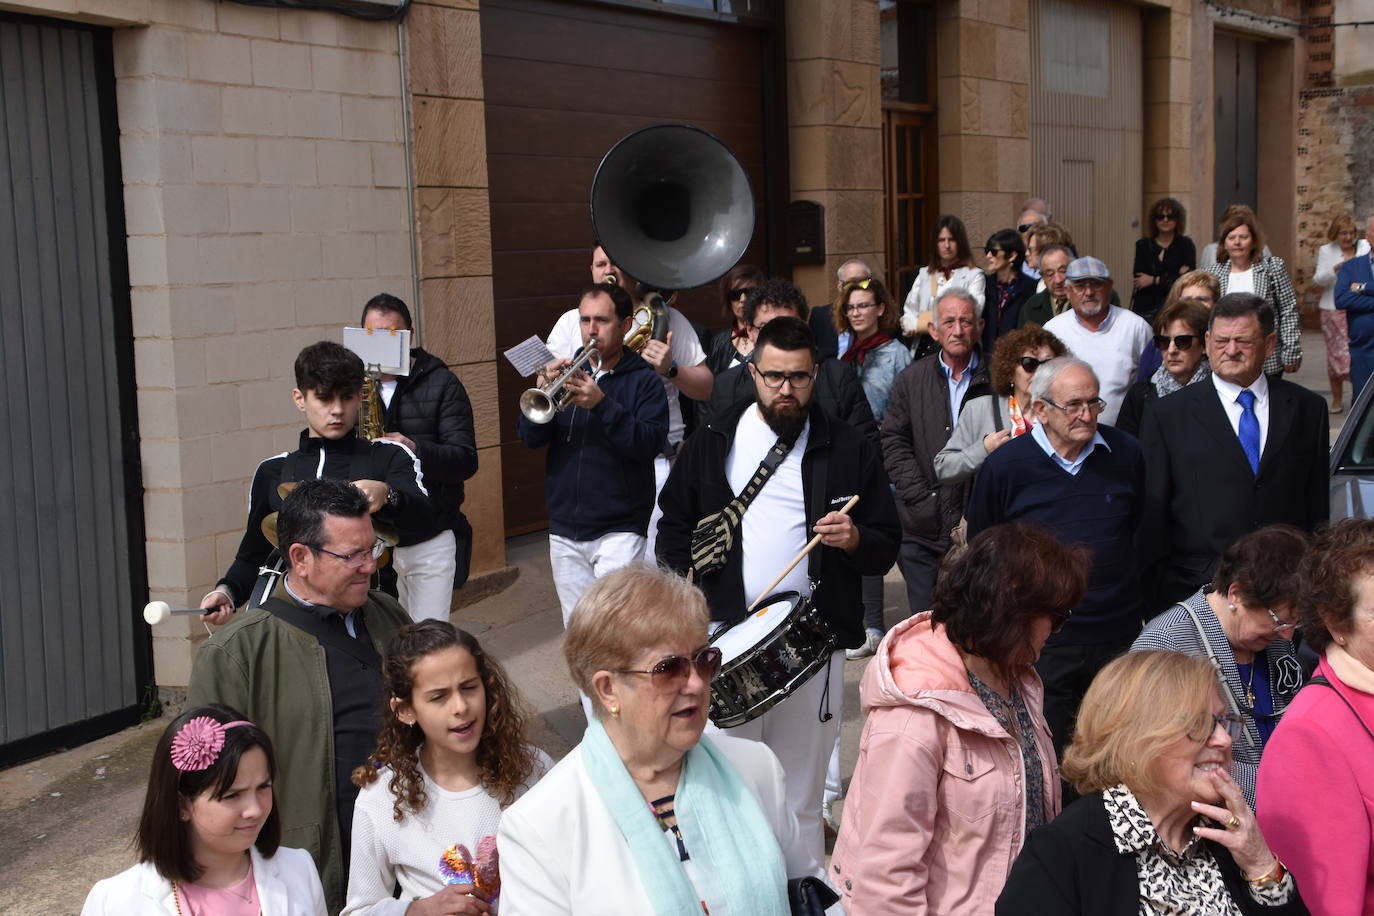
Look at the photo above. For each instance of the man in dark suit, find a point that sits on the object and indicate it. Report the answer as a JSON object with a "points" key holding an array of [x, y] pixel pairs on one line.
{"points": [[1227, 457], [1355, 296]]}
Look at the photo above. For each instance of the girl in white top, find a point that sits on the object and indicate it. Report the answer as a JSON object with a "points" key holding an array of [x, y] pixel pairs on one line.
{"points": [[451, 757], [208, 838], [953, 266], [1340, 248]]}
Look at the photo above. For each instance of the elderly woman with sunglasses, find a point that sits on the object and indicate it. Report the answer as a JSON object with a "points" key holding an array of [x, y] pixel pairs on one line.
{"points": [[1243, 624], [992, 420], [956, 763], [646, 815], [1161, 827], [1180, 335]]}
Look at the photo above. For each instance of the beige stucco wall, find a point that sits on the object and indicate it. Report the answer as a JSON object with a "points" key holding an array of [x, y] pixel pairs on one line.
{"points": [[835, 141]]}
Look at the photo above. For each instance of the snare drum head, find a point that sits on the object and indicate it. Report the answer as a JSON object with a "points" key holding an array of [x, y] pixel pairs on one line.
{"points": [[746, 634]]}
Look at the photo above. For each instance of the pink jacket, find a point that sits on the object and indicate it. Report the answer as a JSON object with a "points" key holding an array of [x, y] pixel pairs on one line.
{"points": [[1314, 797], [936, 810]]}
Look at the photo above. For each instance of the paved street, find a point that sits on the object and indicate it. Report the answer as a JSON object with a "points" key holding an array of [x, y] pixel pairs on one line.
{"points": [[68, 818]]}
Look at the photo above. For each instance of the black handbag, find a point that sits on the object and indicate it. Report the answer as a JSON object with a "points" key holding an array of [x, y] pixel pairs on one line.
{"points": [[810, 896]]}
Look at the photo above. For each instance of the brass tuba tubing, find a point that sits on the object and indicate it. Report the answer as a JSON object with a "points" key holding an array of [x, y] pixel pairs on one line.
{"points": [[539, 405]]}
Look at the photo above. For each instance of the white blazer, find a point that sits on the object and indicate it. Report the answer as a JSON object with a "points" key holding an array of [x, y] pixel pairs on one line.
{"points": [[288, 885], [562, 852], [921, 299]]}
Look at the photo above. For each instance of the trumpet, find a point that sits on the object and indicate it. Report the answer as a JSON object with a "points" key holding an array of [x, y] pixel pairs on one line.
{"points": [[540, 404]]}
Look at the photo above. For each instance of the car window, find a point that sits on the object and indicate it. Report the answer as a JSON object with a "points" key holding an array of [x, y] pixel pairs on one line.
{"points": [[1359, 448]]}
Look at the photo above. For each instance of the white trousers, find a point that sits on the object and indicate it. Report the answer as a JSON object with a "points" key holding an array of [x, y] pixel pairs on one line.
{"points": [[424, 576], [802, 743], [577, 564], [662, 467]]}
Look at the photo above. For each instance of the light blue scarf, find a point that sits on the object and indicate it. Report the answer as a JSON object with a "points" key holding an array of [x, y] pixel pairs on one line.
{"points": [[722, 826]]}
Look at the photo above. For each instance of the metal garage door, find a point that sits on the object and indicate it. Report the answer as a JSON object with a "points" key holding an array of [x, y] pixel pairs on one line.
{"points": [[563, 82], [1087, 124], [72, 658]]}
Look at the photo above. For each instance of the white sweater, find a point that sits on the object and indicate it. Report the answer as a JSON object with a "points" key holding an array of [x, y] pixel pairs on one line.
{"points": [[1329, 258], [1113, 351], [386, 853]]}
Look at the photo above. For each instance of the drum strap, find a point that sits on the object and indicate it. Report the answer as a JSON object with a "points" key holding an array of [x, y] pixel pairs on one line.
{"points": [[714, 535]]}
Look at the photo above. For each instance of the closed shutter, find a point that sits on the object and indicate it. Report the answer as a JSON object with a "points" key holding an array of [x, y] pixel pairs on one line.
{"points": [[74, 652]]}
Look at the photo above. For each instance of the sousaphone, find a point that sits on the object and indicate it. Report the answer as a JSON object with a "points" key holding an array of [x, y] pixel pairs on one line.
{"points": [[672, 207]]}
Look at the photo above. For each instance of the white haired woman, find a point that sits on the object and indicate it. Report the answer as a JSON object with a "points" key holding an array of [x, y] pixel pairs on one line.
{"points": [[645, 815]]}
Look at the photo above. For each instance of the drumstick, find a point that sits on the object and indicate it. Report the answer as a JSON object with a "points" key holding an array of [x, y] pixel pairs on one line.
{"points": [[154, 612], [798, 558]]}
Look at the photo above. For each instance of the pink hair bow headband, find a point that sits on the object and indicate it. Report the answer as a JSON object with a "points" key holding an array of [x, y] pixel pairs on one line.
{"points": [[198, 743]]}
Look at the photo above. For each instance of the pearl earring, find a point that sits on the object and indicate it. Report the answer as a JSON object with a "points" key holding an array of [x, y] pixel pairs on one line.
{"points": [[1231, 608]]}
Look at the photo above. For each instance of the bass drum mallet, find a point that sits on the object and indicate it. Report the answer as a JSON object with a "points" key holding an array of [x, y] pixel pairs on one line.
{"points": [[154, 612]]}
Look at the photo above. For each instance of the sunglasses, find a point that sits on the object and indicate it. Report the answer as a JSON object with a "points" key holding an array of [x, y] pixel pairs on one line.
{"points": [[674, 670], [1059, 618], [996, 251], [740, 293], [1026, 227], [1030, 363], [1163, 216], [858, 284], [1182, 341]]}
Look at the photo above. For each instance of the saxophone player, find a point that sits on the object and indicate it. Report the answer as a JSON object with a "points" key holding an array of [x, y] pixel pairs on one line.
{"points": [[329, 381]]}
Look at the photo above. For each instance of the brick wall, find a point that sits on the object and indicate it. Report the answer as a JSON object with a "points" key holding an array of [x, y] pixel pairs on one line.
{"points": [[264, 172]]}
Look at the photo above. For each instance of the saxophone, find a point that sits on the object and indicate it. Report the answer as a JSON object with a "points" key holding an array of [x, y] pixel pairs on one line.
{"points": [[370, 410]]}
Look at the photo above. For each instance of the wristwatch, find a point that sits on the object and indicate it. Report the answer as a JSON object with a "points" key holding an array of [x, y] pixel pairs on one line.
{"points": [[672, 369], [392, 497]]}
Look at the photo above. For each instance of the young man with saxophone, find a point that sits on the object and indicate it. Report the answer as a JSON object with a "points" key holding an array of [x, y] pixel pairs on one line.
{"points": [[329, 380]]}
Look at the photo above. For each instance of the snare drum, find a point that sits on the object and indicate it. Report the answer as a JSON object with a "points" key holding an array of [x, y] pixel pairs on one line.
{"points": [[767, 656]]}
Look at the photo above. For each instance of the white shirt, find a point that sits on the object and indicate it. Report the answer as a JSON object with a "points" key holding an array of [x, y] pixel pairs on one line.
{"points": [[388, 391], [1228, 394], [386, 853], [1241, 281], [774, 527], [566, 338], [1113, 350]]}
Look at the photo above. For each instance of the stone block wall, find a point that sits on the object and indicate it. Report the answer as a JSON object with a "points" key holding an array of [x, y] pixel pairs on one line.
{"points": [[264, 188], [1335, 158], [835, 140]]}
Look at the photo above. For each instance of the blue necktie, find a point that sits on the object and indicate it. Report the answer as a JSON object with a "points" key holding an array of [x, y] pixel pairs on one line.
{"points": [[1249, 428]]}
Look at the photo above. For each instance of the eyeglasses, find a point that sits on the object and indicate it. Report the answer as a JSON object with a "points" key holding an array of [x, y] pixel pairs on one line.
{"points": [[357, 558], [1182, 341], [674, 670], [861, 306], [1231, 723], [1075, 408], [1059, 618], [1166, 215], [857, 284], [740, 292], [774, 378], [1030, 363], [1279, 624]]}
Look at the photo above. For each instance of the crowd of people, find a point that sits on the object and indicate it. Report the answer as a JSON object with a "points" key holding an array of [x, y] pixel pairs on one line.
{"points": [[1131, 631]]}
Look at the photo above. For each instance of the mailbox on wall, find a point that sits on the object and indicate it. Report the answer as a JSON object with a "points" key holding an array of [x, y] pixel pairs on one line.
{"points": [[805, 232]]}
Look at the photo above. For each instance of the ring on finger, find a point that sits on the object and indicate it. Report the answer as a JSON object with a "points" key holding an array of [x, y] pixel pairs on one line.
{"points": [[1233, 823]]}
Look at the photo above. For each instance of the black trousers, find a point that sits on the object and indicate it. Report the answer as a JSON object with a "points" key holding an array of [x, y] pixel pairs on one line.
{"points": [[1067, 671]]}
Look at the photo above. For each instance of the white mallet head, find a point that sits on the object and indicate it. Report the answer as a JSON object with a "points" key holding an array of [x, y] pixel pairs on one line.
{"points": [[157, 611]]}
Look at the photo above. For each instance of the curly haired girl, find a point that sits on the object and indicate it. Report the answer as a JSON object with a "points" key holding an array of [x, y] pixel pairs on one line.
{"points": [[451, 756]]}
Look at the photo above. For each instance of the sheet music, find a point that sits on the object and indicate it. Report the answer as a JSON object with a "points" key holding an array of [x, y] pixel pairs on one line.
{"points": [[529, 355]]}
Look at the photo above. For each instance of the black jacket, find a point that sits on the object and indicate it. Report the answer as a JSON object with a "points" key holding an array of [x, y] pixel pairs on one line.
{"points": [[838, 463], [1138, 399], [838, 391], [599, 475], [916, 425], [1200, 494], [349, 458], [996, 323], [431, 407], [1071, 866]]}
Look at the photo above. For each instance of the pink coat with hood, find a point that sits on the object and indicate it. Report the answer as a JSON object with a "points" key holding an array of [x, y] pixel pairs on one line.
{"points": [[935, 813]]}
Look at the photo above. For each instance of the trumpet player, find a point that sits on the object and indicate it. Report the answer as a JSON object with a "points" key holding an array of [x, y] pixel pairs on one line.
{"points": [[599, 473], [680, 362]]}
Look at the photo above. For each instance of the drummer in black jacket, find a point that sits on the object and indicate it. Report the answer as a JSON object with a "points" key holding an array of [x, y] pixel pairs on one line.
{"points": [[826, 462], [428, 412]]}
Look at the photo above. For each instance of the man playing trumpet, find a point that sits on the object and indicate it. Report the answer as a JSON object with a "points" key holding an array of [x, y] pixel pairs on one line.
{"points": [[599, 475]]}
